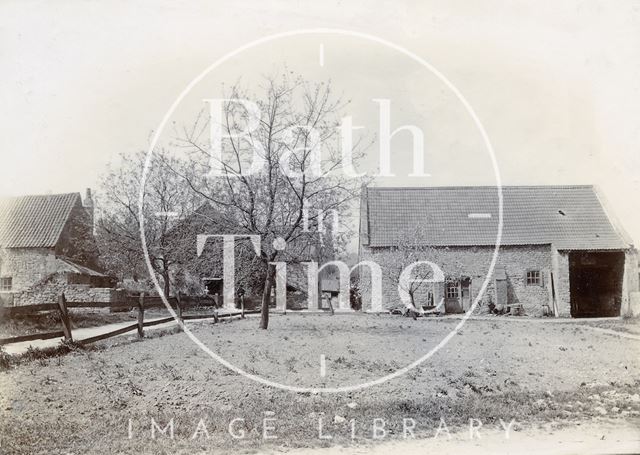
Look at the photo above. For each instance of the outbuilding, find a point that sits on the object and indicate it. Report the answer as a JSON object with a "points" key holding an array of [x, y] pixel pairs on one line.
{"points": [[561, 250]]}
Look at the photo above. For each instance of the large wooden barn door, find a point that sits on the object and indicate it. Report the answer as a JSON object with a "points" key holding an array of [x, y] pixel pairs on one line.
{"points": [[501, 293], [465, 286], [501, 287], [595, 280]]}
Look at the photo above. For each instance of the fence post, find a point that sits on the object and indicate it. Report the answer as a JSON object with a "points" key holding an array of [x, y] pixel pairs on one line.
{"points": [[242, 306], [64, 316], [141, 315]]}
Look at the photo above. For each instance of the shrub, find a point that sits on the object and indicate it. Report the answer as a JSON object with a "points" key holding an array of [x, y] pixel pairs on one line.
{"points": [[6, 360]]}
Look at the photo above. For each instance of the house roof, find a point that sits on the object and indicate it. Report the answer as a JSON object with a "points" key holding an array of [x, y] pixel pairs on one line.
{"points": [[73, 267], [570, 217], [35, 221]]}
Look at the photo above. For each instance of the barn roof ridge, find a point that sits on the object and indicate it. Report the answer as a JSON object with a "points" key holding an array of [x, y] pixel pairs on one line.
{"points": [[572, 217]]}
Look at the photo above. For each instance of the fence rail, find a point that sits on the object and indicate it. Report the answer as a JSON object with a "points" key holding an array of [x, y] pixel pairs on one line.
{"points": [[179, 304], [113, 333], [36, 336], [130, 303]]}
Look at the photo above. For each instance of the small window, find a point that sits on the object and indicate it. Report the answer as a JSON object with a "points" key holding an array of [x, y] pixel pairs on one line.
{"points": [[452, 290], [5, 283], [534, 278]]}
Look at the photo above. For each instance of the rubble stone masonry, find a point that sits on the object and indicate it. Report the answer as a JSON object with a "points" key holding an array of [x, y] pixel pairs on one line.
{"points": [[474, 262], [27, 266], [35, 280], [50, 289]]}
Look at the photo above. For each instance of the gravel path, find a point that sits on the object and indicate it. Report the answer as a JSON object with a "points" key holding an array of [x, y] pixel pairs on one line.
{"points": [[606, 438]]}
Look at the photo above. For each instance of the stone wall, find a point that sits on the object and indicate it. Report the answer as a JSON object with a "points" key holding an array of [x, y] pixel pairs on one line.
{"points": [[633, 308], [39, 277], [84, 293], [474, 262], [631, 270], [631, 286], [563, 287], [27, 266], [72, 292], [48, 291]]}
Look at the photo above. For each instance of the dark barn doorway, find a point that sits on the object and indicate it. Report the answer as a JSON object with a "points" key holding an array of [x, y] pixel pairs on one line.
{"points": [[213, 285], [596, 283]]}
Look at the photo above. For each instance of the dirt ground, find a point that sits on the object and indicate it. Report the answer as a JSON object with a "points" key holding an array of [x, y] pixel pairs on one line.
{"points": [[107, 400], [630, 326], [583, 439]]}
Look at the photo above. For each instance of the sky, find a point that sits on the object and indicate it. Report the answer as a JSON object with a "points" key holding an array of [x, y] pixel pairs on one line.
{"points": [[555, 84]]}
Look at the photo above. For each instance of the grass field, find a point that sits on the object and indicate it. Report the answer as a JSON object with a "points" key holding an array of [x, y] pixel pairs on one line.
{"points": [[104, 400]]}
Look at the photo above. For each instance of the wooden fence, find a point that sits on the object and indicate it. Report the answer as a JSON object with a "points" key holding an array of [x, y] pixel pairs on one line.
{"points": [[179, 305]]}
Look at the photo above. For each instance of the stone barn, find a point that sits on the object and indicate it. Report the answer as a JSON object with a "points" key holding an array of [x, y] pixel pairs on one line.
{"points": [[561, 253], [47, 247]]}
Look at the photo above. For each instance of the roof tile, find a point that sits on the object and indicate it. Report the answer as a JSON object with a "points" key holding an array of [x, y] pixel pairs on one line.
{"points": [[35, 221], [570, 217]]}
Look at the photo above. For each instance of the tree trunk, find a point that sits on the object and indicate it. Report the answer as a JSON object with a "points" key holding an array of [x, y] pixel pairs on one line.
{"points": [[413, 307], [167, 286], [266, 297]]}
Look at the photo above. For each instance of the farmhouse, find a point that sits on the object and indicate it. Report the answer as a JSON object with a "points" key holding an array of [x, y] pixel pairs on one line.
{"points": [[47, 247], [561, 251]]}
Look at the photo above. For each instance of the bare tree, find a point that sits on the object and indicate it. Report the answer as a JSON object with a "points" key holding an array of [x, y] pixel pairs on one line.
{"points": [[166, 202], [209, 263], [297, 141]]}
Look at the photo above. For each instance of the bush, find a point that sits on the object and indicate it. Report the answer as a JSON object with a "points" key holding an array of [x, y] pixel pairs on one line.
{"points": [[6, 360]]}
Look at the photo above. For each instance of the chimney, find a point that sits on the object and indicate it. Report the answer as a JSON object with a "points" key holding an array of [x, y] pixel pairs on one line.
{"points": [[88, 205]]}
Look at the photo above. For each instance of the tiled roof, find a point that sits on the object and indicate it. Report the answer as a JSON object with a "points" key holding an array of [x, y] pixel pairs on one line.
{"points": [[570, 217], [34, 221]]}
